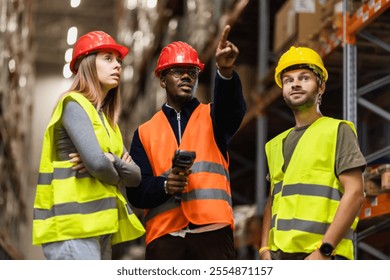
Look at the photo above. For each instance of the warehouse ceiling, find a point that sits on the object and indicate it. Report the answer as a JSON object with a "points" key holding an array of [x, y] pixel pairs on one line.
{"points": [[52, 19]]}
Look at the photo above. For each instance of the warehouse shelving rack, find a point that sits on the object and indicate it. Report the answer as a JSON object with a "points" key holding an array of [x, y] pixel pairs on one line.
{"points": [[347, 36]]}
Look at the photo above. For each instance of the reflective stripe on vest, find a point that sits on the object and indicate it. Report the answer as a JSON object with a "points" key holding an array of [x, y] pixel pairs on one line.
{"points": [[306, 199], [205, 167], [71, 205], [193, 195], [75, 208], [207, 199], [308, 226], [58, 174], [309, 189]]}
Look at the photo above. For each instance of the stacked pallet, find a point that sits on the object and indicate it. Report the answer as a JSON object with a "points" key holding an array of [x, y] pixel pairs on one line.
{"points": [[377, 190]]}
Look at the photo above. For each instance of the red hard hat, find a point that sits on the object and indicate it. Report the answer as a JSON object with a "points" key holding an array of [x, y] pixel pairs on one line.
{"points": [[177, 54], [92, 42]]}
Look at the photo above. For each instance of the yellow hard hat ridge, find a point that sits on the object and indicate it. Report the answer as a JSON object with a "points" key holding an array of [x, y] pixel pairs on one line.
{"points": [[300, 56]]}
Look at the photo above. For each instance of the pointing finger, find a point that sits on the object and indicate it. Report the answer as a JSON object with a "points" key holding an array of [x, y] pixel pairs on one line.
{"points": [[224, 36]]}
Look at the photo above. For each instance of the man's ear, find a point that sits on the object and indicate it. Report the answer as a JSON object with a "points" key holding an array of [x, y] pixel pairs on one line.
{"points": [[322, 88], [162, 82]]}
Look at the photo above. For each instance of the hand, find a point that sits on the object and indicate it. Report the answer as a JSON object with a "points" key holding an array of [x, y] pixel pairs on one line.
{"points": [[316, 255], [181, 171], [126, 158], [79, 165], [266, 255], [110, 157], [226, 53], [177, 181]]}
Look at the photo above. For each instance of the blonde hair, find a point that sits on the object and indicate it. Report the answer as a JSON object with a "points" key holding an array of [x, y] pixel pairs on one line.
{"points": [[87, 83]]}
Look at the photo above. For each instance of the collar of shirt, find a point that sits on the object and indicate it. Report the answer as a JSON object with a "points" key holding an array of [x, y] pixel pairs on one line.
{"points": [[187, 109], [185, 114]]}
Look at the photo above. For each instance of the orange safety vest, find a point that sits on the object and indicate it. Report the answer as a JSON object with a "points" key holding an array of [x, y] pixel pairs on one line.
{"points": [[207, 198]]}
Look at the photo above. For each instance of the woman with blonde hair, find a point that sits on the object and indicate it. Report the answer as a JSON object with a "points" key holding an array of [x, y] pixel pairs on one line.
{"points": [[79, 209]]}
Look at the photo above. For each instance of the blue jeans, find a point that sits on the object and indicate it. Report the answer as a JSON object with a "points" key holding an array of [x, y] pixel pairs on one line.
{"points": [[93, 248]]}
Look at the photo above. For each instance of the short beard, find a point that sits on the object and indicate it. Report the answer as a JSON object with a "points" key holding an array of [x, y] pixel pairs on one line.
{"points": [[305, 106]]}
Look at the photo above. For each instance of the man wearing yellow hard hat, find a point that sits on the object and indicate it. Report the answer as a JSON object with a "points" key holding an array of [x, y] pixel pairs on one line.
{"points": [[315, 171]]}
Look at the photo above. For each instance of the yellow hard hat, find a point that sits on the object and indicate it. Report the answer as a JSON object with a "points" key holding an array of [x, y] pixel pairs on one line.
{"points": [[301, 57]]}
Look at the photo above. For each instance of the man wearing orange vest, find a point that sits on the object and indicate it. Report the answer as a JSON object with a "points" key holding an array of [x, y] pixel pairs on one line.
{"points": [[188, 214]]}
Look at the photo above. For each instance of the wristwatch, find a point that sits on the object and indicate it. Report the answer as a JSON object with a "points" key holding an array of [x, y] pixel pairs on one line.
{"points": [[326, 249]]}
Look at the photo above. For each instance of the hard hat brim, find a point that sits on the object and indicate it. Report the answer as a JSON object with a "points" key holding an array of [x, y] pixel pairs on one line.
{"points": [[122, 50], [300, 56]]}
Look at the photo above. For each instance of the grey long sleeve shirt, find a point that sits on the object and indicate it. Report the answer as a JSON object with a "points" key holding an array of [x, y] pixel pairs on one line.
{"points": [[75, 134]]}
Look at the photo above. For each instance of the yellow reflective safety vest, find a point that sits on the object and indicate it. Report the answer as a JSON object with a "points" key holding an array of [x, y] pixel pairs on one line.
{"points": [[207, 198], [307, 195], [70, 205]]}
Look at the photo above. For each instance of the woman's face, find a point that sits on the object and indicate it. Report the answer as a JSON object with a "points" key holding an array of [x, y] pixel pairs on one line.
{"points": [[109, 68]]}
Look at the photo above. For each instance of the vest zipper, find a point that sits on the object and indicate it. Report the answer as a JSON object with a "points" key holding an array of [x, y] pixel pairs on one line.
{"points": [[179, 125]]}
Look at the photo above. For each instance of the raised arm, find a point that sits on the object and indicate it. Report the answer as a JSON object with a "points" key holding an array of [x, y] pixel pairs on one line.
{"points": [[226, 54]]}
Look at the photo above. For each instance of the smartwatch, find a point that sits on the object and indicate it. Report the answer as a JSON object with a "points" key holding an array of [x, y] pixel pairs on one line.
{"points": [[327, 250]]}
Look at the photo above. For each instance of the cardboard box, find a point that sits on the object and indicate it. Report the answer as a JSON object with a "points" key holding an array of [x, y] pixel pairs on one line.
{"points": [[371, 187], [295, 22], [375, 206], [338, 15], [384, 170], [327, 9], [377, 179]]}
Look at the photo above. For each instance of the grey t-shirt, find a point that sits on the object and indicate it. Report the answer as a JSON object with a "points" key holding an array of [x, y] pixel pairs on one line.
{"points": [[348, 154], [75, 133]]}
